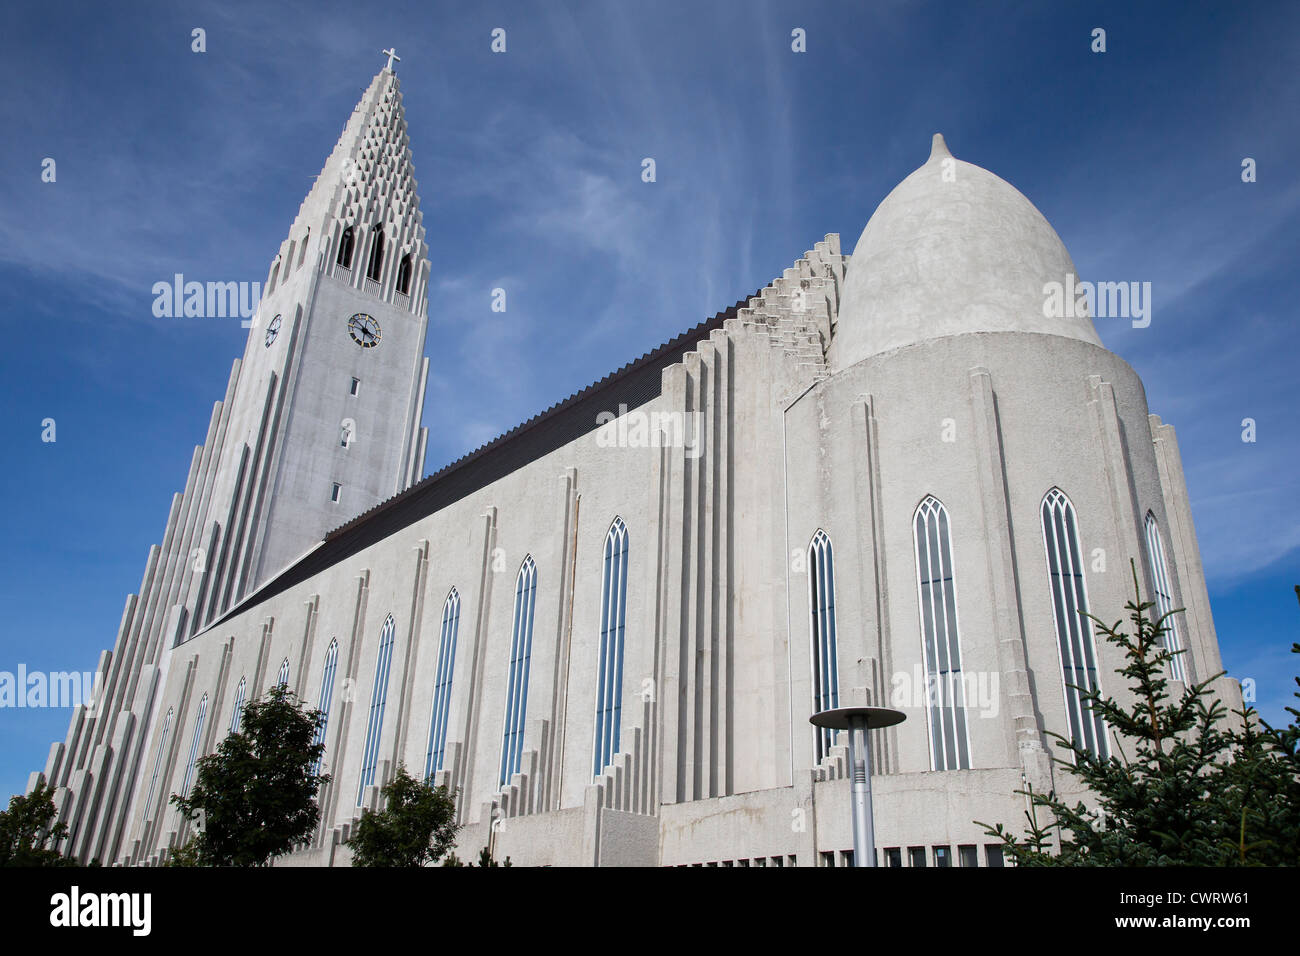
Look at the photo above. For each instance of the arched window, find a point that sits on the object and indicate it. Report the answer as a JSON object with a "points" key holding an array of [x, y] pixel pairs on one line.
{"points": [[157, 764], [283, 678], [194, 746], [521, 645], [825, 652], [379, 694], [346, 242], [1073, 630], [404, 275], [237, 716], [1165, 598], [613, 620], [442, 684], [376, 254], [326, 696], [944, 692]]}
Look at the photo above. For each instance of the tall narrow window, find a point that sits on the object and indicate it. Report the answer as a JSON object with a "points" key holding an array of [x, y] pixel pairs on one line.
{"points": [[825, 655], [1073, 630], [326, 696], [157, 763], [404, 275], [1165, 598], [346, 242], [375, 725], [442, 684], [376, 254], [237, 716], [282, 679], [521, 645], [194, 745], [613, 620], [945, 695]]}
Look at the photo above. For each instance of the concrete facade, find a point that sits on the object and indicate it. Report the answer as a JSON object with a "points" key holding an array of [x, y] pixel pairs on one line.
{"points": [[839, 398]]}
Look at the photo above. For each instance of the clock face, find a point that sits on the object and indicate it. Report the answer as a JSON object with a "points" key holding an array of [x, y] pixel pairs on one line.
{"points": [[364, 330], [272, 331]]}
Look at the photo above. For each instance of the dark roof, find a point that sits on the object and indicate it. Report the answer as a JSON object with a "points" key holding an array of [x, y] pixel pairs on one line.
{"points": [[633, 385]]}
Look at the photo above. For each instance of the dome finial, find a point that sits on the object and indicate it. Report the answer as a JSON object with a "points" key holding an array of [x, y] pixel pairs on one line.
{"points": [[938, 148]]}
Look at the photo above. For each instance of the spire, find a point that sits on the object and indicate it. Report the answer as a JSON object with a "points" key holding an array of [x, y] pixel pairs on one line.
{"points": [[938, 148], [368, 185]]}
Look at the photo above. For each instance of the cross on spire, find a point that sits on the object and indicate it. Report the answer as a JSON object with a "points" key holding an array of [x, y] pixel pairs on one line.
{"points": [[392, 55]]}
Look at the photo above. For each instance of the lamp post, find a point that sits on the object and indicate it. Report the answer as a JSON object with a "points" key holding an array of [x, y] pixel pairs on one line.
{"points": [[857, 721]]}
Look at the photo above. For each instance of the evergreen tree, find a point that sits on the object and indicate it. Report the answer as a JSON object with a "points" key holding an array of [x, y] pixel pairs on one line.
{"points": [[255, 797], [416, 827], [1267, 774], [485, 860], [1185, 786], [28, 834]]}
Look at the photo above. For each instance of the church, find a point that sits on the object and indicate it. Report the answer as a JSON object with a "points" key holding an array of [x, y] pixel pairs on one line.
{"points": [[893, 478]]}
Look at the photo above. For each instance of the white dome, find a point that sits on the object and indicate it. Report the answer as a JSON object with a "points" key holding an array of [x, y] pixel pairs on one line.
{"points": [[952, 249]]}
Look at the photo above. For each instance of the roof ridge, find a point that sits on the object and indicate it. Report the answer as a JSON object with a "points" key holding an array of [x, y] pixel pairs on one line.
{"points": [[457, 463], [370, 527]]}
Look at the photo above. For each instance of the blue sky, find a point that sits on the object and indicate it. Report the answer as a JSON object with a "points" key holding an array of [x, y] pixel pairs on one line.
{"points": [[529, 173]]}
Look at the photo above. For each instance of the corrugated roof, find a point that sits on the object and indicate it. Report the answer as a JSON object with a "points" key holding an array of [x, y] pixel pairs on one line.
{"points": [[633, 385]]}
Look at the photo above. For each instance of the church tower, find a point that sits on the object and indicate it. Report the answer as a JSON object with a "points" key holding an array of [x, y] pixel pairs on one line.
{"points": [[319, 423], [325, 414]]}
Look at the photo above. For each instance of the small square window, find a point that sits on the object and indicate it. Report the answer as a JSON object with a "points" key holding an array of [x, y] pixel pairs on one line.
{"points": [[943, 856], [916, 856], [335, 491], [828, 858], [968, 855], [846, 857], [356, 385], [893, 856], [993, 854]]}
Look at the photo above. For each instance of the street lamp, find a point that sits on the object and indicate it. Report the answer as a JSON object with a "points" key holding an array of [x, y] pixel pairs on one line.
{"points": [[857, 721]]}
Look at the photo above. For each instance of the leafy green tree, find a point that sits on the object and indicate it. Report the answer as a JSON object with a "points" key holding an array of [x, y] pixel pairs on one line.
{"points": [[416, 827], [28, 834], [255, 797], [1185, 787]]}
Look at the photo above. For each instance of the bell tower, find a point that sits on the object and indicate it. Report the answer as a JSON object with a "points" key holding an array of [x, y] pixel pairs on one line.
{"points": [[325, 405], [320, 421]]}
